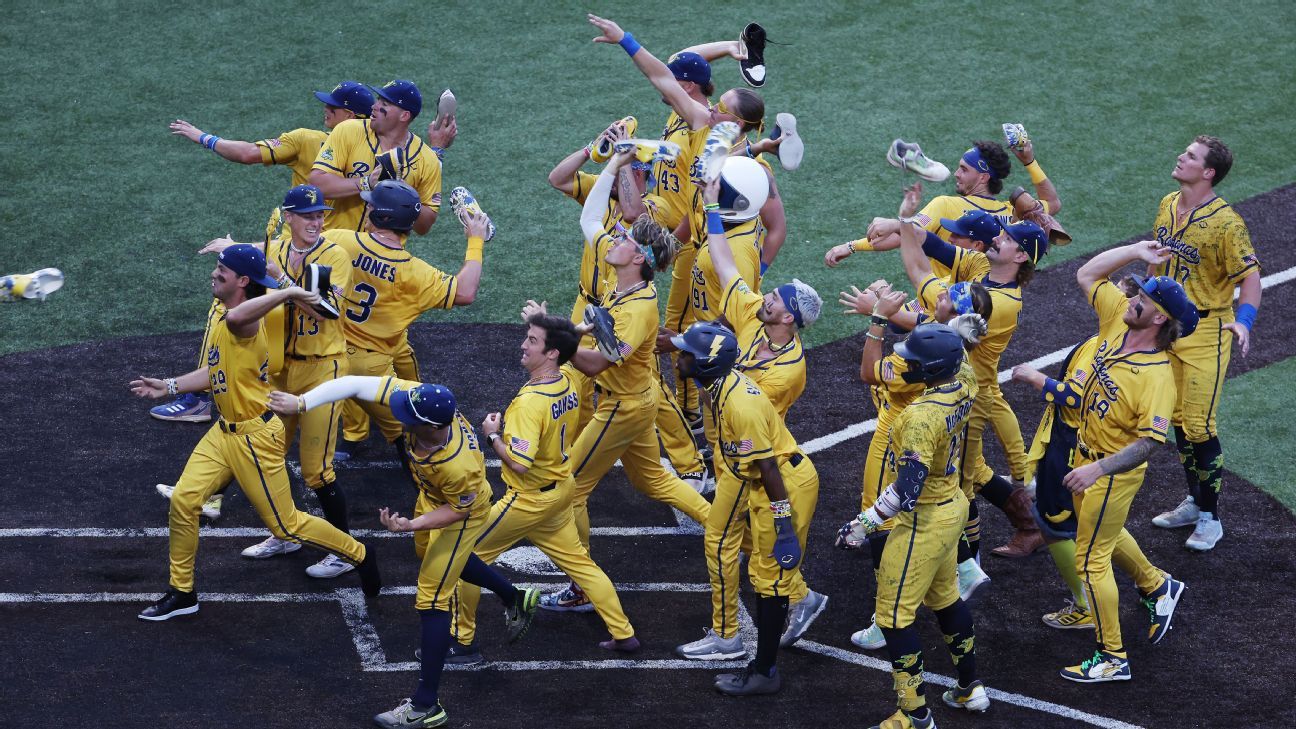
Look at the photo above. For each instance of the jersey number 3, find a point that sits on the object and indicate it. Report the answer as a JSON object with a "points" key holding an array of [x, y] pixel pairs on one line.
{"points": [[360, 310]]}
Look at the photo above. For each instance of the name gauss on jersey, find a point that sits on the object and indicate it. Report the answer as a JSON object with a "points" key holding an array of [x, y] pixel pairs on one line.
{"points": [[565, 404], [374, 267]]}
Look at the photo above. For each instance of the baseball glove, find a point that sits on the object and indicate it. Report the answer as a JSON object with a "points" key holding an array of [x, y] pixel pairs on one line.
{"points": [[971, 327], [1026, 207], [392, 164], [316, 280], [599, 322]]}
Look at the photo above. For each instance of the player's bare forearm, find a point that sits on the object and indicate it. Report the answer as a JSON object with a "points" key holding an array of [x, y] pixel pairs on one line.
{"points": [[1250, 290], [1029, 376], [562, 176], [629, 186], [438, 518], [590, 361], [775, 221], [1045, 191], [771, 480], [715, 50], [506, 458], [684, 232], [694, 114], [1109, 261], [334, 186], [917, 267], [427, 217], [871, 356], [1129, 457], [467, 281], [244, 319]]}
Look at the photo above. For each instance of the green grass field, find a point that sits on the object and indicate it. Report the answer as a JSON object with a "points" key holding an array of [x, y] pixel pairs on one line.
{"points": [[1253, 421], [99, 188]]}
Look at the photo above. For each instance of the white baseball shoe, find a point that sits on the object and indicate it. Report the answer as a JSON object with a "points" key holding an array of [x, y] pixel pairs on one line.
{"points": [[271, 547], [1185, 514], [329, 567]]}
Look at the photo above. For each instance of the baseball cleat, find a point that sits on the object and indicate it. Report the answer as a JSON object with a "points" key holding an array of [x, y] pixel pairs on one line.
{"points": [[906, 156], [699, 482], [172, 604], [1185, 514], [752, 68], [464, 204], [711, 647], [1070, 617], [1209, 531], [791, 149], [1015, 136], [518, 618], [716, 149], [191, 407], [870, 638], [801, 616], [211, 508], [973, 698], [1161, 607], [600, 150], [901, 720], [329, 567], [970, 577], [316, 281], [35, 285], [447, 105], [270, 547], [649, 150], [406, 715], [458, 654], [568, 600], [347, 450], [1102, 667], [749, 682]]}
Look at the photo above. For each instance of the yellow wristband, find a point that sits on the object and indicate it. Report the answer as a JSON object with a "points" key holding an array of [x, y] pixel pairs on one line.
{"points": [[863, 244], [1036, 172], [474, 252]]}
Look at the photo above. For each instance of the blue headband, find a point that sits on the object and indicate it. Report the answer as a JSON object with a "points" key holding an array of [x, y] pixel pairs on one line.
{"points": [[645, 250], [788, 292], [960, 295], [977, 162]]}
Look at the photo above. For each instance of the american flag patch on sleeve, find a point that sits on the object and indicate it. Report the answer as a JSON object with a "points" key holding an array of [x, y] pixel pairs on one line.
{"points": [[519, 445], [624, 349], [1160, 423], [467, 499], [744, 445]]}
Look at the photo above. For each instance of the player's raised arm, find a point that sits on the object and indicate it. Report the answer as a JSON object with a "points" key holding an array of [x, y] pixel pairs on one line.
{"points": [[917, 267], [343, 388], [1114, 259], [233, 150], [476, 228], [244, 319], [591, 219], [695, 114], [726, 269], [1024, 148]]}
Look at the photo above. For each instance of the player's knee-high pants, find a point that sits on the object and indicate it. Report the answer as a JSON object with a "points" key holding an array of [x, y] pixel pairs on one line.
{"points": [[545, 518], [1101, 539], [1200, 362], [729, 522], [254, 455], [675, 433], [622, 428], [920, 562], [679, 315], [318, 426], [355, 420], [442, 555]]}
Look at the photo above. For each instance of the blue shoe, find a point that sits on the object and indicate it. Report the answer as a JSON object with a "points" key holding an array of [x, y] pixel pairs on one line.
{"points": [[188, 408], [1161, 607]]}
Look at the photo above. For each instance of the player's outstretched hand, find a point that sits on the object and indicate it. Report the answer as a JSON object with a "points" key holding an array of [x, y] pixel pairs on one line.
{"points": [[182, 128], [216, 245], [611, 32], [890, 303], [912, 199], [1152, 252], [442, 131], [837, 254], [476, 225], [1025, 152], [284, 403], [857, 302], [531, 308], [394, 521], [149, 387], [664, 343], [1028, 375], [1242, 334], [297, 293]]}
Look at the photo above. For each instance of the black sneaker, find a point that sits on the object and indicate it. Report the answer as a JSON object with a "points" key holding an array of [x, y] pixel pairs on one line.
{"points": [[458, 654], [173, 603], [370, 580], [753, 67]]}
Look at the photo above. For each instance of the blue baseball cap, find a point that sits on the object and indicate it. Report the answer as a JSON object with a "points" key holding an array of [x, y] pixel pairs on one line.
{"points": [[1030, 237], [304, 199], [689, 66], [247, 260], [424, 405], [976, 224], [350, 95], [404, 94], [1171, 299]]}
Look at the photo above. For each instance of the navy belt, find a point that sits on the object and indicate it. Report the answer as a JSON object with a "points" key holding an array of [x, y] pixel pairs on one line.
{"points": [[552, 485], [234, 427], [1091, 455]]}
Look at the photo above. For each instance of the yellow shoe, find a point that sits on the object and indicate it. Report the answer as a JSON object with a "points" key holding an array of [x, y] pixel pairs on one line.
{"points": [[901, 720], [1070, 617], [601, 148], [648, 150]]}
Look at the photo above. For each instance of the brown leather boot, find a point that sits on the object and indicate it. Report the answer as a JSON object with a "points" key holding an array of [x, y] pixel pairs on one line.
{"points": [[1027, 540]]}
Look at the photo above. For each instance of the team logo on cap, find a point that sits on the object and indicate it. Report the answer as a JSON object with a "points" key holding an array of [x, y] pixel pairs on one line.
{"points": [[312, 196]]}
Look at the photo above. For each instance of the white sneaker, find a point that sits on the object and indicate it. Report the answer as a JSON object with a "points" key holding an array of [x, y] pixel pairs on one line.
{"points": [[716, 149], [211, 508], [270, 547], [870, 638], [1208, 532], [801, 616], [329, 567], [1185, 514], [165, 491], [712, 647], [970, 577], [907, 156], [973, 698], [791, 151], [699, 482]]}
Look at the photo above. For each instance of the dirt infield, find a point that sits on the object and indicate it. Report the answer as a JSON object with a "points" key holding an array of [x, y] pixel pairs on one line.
{"points": [[274, 648]]}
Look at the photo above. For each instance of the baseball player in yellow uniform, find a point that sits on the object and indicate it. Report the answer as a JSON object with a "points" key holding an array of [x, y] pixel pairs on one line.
{"points": [[622, 426], [764, 466], [454, 501], [1126, 401], [929, 509], [247, 443], [1212, 253], [532, 440]]}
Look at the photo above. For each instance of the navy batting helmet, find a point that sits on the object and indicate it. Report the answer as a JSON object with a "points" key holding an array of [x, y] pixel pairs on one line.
{"points": [[393, 205], [932, 353], [714, 348], [424, 405]]}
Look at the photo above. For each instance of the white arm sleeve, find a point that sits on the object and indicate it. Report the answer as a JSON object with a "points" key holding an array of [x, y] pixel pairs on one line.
{"points": [[364, 388], [591, 218]]}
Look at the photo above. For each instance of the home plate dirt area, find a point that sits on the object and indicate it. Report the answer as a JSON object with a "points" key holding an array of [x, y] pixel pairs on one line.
{"points": [[84, 538]]}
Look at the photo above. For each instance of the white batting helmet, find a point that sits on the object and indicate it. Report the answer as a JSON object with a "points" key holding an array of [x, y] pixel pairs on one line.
{"points": [[744, 188]]}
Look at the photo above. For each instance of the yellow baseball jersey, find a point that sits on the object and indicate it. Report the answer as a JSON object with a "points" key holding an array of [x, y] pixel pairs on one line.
{"points": [[636, 320], [953, 207], [307, 336], [748, 426], [895, 394], [296, 149], [1077, 374], [351, 151], [1212, 250], [1127, 395], [782, 377], [389, 289], [745, 241], [931, 429], [238, 370], [1006, 313], [672, 182], [596, 277], [539, 426]]}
